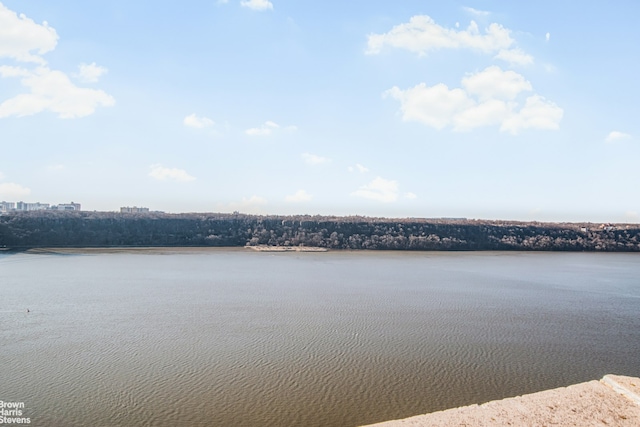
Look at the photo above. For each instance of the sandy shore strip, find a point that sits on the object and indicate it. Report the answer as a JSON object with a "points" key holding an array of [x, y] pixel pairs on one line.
{"points": [[265, 248], [612, 401]]}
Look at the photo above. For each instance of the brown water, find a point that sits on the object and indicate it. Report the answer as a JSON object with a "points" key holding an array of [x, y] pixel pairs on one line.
{"points": [[240, 338]]}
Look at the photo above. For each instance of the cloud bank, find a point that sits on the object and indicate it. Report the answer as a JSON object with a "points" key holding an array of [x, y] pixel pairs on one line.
{"points": [[20, 36], [422, 35], [24, 41], [90, 73], [51, 90], [487, 98]]}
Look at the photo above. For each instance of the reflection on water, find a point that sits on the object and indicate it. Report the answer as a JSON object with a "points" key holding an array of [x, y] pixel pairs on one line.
{"points": [[234, 337]]}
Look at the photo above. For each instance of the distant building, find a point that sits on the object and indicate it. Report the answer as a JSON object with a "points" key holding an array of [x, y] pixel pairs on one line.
{"points": [[7, 206], [134, 209], [22, 206], [66, 207]]}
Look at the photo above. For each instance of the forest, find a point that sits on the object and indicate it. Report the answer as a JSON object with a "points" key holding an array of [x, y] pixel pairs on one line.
{"points": [[23, 230]]}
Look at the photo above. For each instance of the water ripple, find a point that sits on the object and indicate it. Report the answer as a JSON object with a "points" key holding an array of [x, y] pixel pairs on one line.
{"points": [[334, 339]]}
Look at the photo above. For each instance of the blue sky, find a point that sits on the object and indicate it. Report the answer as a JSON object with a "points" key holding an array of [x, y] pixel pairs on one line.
{"points": [[488, 109]]}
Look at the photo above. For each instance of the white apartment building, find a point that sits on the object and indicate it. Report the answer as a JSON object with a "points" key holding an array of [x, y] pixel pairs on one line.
{"points": [[22, 206], [7, 206]]}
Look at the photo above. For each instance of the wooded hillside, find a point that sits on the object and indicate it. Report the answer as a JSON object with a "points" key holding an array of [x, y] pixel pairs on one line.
{"points": [[90, 229]]}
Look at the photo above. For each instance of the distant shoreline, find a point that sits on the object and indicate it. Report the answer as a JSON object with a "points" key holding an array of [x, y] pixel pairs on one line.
{"points": [[160, 249], [305, 233], [193, 250]]}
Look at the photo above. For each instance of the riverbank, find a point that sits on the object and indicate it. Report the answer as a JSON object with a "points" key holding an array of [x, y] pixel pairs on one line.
{"points": [[160, 250], [165, 250], [24, 230], [612, 401]]}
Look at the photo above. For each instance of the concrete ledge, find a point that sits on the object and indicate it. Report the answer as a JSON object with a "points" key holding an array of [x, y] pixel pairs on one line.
{"points": [[612, 401]]}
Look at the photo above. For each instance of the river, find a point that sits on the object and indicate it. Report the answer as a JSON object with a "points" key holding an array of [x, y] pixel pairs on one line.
{"points": [[233, 337]]}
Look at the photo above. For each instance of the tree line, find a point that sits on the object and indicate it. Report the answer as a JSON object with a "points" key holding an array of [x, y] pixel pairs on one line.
{"points": [[20, 230]]}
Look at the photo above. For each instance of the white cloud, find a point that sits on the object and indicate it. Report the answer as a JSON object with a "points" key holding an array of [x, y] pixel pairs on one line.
{"points": [[358, 167], [265, 129], [547, 36], [488, 98], [161, 173], [51, 90], [268, 128], [20, 36], [194, 121], [487, 113], [422, 35], [410, 196], [537, 113], [9, 190], [48, 90], [299, 196], [616, 136], [90, 73], [493, 82], [379, 189], [9, 71], [257, 4], [515, 56], [476, 12], [434, 106], [313, 159]]}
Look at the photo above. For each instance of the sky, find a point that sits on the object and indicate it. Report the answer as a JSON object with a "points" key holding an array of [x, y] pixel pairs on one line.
{"points": [[487, 109]]}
